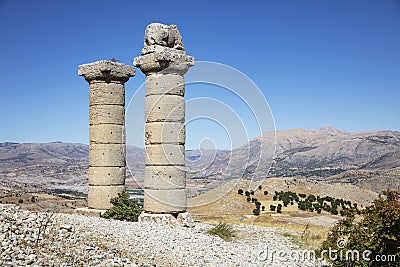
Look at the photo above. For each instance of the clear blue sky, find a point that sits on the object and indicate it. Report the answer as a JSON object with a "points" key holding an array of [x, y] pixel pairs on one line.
{"points": [[333, 62]]}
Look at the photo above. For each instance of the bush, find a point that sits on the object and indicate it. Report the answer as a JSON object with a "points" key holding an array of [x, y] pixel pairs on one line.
{"points": [[279, 208], [272, 207], [263, 208], [377, 231], [20, 201], [223, 230], [124, 209], [252, 192], [265, 193], [256, 212], [259, 187], [248, 199], [240, 191], [247, 193]]}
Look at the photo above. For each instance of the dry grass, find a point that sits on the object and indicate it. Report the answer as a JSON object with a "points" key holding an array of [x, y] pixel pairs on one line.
{"points": [[305, 229], [223, 230]]}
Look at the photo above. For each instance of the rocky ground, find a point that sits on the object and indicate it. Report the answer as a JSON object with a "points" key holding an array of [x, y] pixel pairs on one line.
{"points": [[55, 239]]}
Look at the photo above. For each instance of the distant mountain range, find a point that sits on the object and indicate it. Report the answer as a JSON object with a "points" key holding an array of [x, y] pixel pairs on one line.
{"points": [[370, 159]]}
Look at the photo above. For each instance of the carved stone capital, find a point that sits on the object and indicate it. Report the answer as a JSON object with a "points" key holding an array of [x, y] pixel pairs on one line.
{"points": [[163, 51], [164, 60], [106, 70]]}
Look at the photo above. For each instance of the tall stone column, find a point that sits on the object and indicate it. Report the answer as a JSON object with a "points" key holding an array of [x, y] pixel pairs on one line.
{"points": [[107, 130], [164, 61]]}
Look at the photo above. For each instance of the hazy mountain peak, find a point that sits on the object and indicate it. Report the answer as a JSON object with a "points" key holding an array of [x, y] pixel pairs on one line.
{"points": [[331, 130]]}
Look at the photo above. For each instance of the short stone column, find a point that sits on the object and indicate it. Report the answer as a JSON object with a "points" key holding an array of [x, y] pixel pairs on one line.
{"points": [[164, 62], [107, 130]]}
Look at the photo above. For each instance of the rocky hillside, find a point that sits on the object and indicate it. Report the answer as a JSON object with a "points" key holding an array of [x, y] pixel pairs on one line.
{"points": [[14, 154], [370, 159], [55, 239], [324, 154]]}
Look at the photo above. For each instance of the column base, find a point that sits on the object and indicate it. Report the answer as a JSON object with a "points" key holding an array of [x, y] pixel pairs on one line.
{"points": [[181, 219], [90, 212]]}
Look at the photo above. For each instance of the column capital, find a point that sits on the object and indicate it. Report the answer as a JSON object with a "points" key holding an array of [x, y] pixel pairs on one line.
{"points": [[163, 51], [106, 70]]}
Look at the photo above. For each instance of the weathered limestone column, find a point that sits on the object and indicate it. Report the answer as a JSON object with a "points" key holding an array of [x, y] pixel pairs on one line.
{"points": [[107, 130], [164, 62]]}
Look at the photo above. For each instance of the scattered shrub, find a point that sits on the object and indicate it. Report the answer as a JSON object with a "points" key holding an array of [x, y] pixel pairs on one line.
{"points": [[256, 212], [279, 208], [124, 209]]}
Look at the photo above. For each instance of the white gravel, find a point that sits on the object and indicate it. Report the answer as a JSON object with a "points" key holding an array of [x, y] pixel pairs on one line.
{"points": [[77, 240]]}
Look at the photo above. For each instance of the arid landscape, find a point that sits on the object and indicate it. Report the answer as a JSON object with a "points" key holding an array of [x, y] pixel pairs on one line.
{"points": [[325, 162], [138, 133]]}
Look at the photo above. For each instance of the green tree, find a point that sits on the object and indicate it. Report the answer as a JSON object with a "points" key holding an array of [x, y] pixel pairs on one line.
{"points": [[279, 208], [256, 212], [272, 207], [247, 193], [265, 193], [378, 230], [240, 191]]}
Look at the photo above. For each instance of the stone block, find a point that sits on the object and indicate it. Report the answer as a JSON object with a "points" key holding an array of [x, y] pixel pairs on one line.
{"points": [[164, 201], [162, 84], [185, 219], [164, 108], [164, 219], [165, 154], [164, 177], [99, 196], [106, 175], [104, 93], [107, 155], [161, 132], [89, 212], [107, 134], [107, 114]]}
